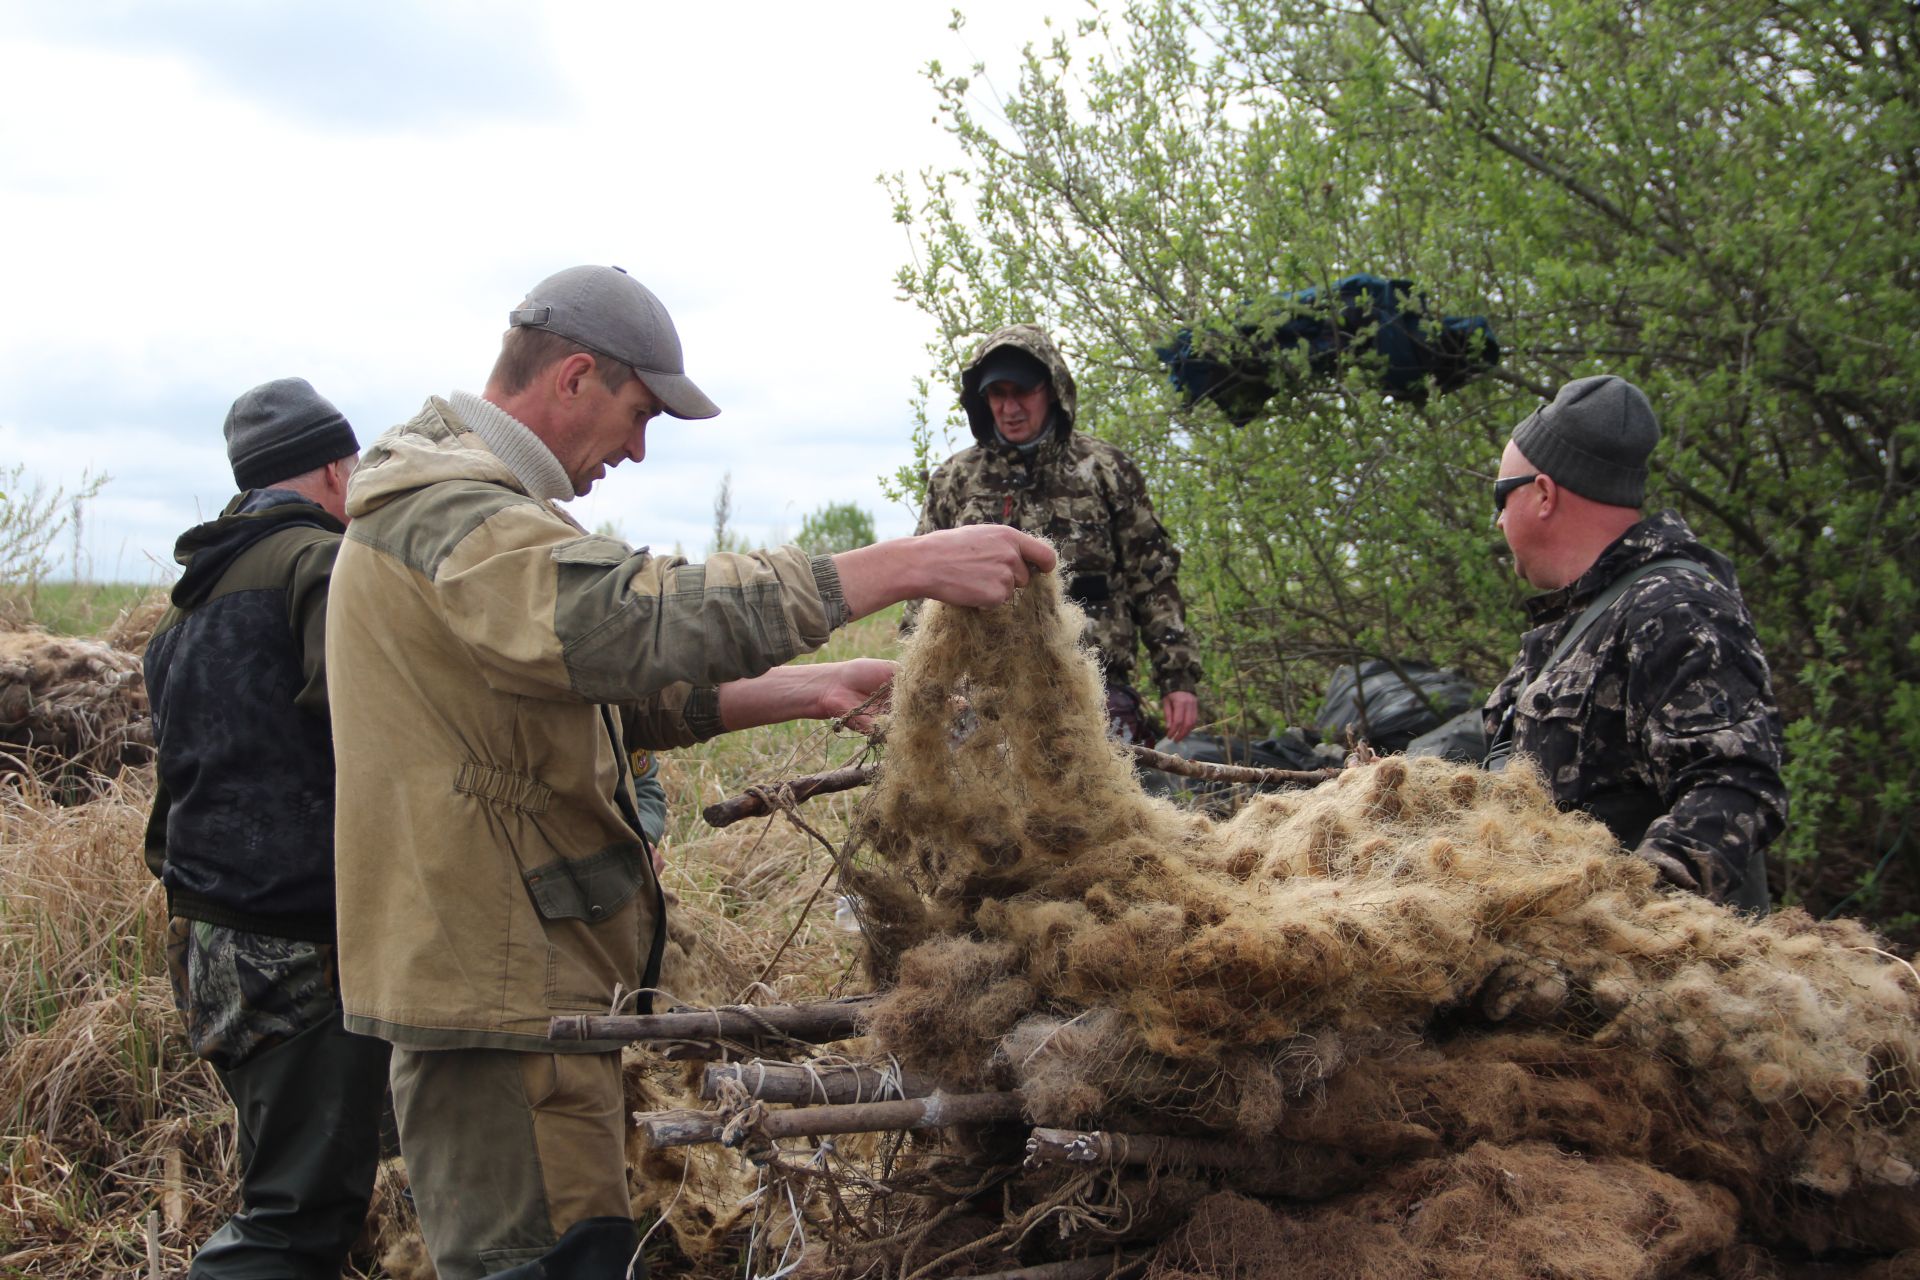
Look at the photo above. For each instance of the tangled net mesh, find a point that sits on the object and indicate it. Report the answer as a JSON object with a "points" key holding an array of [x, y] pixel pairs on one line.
{"points": [[1458, 1024]]}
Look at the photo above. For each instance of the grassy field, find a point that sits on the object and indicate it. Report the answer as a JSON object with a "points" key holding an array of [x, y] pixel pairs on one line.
{"points": [[71, 608], [117, 1147]]}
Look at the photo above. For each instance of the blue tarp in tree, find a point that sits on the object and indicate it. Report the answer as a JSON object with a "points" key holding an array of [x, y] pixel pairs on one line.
{"points": [[1379, 324]]}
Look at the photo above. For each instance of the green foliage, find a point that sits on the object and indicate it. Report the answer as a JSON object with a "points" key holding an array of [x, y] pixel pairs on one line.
{"points": [[1720, 204], [836, 527]]}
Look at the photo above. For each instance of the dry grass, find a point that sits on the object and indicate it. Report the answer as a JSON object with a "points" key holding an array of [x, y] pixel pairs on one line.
{"points": [[107, 1119]]}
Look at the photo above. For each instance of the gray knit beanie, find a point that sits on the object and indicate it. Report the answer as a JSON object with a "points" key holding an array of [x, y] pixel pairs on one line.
{"points": [[282, 429], [1594, 438]]}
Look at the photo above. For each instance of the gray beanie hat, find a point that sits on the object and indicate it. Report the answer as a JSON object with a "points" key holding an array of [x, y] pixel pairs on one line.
{"points": [[282, 429], [1594, 438]]}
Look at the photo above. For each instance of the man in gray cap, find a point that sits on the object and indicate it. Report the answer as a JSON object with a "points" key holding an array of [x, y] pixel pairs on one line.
{"points": [[242, 837], [494, 665], [1641, 692]]}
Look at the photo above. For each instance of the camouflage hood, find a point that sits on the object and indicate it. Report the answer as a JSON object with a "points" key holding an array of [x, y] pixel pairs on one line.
{"points": [[1033, 340]]}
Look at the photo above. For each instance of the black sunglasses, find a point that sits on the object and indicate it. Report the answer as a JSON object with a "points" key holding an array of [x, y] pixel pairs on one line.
{"points": [[1503, 489]]}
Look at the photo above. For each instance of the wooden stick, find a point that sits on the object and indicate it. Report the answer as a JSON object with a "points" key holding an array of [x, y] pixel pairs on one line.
{"points": [[1167, 763], [757, 802], [811, 1023], [1117, 1266], [930, 1112], [664, 1129], [690, 1128], [799, 1082], [1071, 1146], [173, 1188]]}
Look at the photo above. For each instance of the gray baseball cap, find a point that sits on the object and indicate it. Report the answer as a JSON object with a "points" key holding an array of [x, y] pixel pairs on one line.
{"points": [[606, 310]]}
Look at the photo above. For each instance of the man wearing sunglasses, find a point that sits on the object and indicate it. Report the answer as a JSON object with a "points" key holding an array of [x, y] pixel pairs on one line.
{"points": [[1640, 692]]}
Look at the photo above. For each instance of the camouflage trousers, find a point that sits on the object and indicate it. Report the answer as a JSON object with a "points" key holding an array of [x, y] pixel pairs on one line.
{"points": [[243, 993], [265, 1011]]}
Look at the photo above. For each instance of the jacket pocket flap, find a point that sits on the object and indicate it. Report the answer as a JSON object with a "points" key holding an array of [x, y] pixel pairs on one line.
{"points": [[590, 888]]}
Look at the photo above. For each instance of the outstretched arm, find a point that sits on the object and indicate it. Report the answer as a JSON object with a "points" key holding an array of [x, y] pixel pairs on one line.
{"points": [[979, 566], [807, 691]]}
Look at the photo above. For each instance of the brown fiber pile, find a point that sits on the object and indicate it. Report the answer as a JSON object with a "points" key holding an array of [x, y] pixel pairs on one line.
{"points": [[70, 708], [1466, 1035]]}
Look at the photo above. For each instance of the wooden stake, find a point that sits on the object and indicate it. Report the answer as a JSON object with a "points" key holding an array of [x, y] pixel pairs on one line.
{"points": [[665, 1129], [1070, 1146], [930, 1112], [800, 1082], [1207, 772], [690, 1128], [757, 802], [809, 1023], [173, 1189]]}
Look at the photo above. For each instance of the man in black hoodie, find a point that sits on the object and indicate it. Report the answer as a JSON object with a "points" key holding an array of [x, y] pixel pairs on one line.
{"points": [[242, 837]]}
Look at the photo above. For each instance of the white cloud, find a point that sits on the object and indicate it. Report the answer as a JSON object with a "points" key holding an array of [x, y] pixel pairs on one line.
{"points": [[182, 224]]}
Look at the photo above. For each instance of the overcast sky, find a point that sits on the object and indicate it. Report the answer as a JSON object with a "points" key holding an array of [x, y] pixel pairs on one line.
{"points": [[200, 195]]}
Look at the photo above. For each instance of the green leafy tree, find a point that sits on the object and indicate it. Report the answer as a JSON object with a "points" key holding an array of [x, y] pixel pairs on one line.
{"points": [[836, 527], [1720, 203]]}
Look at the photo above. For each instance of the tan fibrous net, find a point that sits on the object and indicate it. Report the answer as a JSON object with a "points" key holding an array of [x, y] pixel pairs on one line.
{"points": [[1455, 1024]]}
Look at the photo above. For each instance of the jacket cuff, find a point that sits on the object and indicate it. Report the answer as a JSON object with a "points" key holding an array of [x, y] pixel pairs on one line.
{"points": [[826, 576], [702, 713]]}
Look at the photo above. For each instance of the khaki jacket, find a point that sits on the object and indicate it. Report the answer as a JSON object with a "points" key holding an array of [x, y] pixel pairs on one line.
{"points": [[483, 650]]}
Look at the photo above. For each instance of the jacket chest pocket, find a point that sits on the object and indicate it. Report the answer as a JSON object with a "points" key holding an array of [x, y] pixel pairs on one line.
{"points": [[1085, 544], [1552, 714], [990, 508]]}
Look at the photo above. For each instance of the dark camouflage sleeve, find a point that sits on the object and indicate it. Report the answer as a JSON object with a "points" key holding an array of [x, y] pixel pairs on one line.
{"points": [[1703, 708], [1150, 567]]}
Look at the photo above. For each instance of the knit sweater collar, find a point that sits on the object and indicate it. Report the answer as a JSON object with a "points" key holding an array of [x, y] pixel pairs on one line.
{"points": [[514, 443]]}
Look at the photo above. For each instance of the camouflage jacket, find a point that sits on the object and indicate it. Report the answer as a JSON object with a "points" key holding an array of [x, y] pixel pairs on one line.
{"points": [[1090, 501], [1663, 706]]}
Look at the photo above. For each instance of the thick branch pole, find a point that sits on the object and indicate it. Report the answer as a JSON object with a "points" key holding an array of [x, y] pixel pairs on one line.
{"points": [[799, 1082], [1206, 772], [757, 802], [1115, 1265], [689, 1128], [930, 1112], [665, 1129], [812, 1023], [760, 801], [1071, 1146]]}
